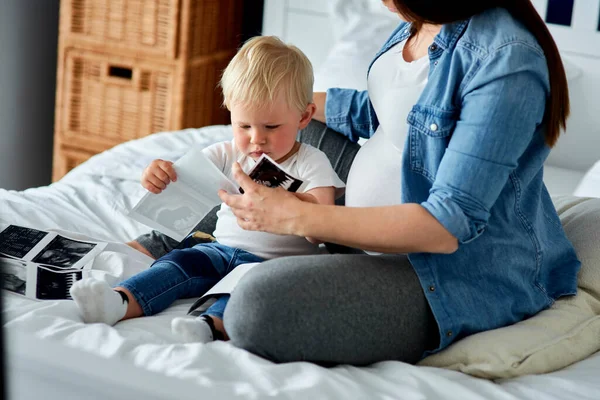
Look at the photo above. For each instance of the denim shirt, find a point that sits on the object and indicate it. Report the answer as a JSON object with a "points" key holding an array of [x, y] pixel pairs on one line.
{"points": [[474, 159]]}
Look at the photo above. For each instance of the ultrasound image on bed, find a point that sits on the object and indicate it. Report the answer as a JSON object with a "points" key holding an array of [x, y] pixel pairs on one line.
{"points": [[54, 283], [13, 274], [62, 252], [17, 241]]}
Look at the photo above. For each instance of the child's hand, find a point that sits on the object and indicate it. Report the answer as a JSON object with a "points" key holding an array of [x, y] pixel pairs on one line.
{"points": [[158, 175]]}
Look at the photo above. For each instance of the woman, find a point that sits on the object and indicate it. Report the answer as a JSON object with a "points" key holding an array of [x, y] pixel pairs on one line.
{"points": [[464, 102]]}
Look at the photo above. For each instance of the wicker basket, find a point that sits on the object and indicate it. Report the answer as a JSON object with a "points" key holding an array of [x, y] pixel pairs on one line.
{"points": [[153, 27], [128, 68], [111, 99], [70, 159]]}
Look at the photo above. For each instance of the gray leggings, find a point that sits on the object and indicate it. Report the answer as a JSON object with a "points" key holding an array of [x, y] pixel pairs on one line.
{"points": [[328, 309], [332, 309]]}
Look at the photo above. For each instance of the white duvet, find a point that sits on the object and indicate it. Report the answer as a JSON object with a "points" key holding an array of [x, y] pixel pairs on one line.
{"points": [[92, 200]]}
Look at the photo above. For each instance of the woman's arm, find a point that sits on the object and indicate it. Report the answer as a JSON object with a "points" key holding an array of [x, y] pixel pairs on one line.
{"points": [[346, 111], [319, 99], [405, 228], [320, 195]]}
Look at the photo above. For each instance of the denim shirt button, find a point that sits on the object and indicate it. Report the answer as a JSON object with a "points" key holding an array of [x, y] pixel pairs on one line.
{"points": [[432, 288], [433, 47], [433, 127], [449, 333]]}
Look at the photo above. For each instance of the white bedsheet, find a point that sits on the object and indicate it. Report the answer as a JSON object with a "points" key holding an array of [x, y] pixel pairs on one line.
{"points": [[92, 201]]}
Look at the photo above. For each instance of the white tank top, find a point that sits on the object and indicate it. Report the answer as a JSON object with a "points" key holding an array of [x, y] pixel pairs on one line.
{"points": [[394, 87]]}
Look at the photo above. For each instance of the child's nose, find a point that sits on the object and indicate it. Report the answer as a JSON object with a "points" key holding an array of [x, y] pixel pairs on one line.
{"points": [[258, 137]]}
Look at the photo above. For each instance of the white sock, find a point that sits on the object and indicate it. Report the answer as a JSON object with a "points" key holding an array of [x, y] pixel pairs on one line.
{"points": [[192, 330], [98, 302]]}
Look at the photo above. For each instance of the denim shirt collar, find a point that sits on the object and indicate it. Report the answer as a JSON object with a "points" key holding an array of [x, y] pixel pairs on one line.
{"points": [[450, 33], [444, 40]]}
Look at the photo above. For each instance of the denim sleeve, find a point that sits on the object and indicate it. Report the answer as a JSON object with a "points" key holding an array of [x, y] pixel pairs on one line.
{"points": [[348, 111], [502, 107]]}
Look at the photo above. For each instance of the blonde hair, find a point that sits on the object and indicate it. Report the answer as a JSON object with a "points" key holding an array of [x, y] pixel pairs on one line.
{"points": [[265, 68]]}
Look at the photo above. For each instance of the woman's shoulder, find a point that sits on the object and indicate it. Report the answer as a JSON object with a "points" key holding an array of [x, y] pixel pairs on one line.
{"points": [[495, 29]]}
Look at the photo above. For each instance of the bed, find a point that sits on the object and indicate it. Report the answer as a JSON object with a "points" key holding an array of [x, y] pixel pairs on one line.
{"points": [[51, 353]]}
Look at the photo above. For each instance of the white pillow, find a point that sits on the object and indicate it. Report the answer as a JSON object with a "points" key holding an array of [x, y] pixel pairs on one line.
{"points": [[359, 32], [590, 184], [349, 16], [561, 181], [555, 338]]}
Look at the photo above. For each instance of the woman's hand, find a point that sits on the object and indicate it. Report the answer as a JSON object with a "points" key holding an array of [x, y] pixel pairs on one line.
{"points": [[158, 175], [260, 208]]}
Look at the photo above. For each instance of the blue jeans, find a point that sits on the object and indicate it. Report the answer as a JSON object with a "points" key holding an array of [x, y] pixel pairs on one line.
{"points": [[185, 273]]}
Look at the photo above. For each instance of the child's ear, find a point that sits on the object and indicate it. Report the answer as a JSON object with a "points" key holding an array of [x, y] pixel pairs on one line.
{"points": [[307, 115]]}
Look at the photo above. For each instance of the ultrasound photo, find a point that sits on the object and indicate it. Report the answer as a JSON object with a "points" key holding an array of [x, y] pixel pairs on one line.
{"points": [[13, 274], [63, 253], [179, 216], [266, 172], [17, 241], [42, 265], [54, 283]]}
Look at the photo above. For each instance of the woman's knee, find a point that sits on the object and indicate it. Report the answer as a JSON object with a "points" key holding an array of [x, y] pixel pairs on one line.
{"points": [[263, 305], [247, 313]]}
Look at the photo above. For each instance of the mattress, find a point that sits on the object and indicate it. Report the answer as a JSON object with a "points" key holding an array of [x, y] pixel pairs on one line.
{"points": [[91, 202]]}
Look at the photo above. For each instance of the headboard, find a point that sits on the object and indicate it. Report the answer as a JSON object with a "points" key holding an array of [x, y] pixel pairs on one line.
{"points": [[575, 25]]}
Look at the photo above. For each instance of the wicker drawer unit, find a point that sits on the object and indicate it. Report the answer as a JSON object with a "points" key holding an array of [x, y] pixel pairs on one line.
{"points": [[111, 99], [72, 158], [129, 68]]}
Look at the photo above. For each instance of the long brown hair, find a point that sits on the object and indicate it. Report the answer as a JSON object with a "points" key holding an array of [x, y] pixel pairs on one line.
{"points": [[445, 11]]}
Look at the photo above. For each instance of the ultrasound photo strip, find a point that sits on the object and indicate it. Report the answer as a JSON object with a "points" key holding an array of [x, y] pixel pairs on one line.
{"points": [[43, 265], [268, 173], [16, 241], [41, 282], [55, 283], [47, 247], [63, 252]]}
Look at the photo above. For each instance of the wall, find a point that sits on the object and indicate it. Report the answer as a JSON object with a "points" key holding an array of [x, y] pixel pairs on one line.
{"points": [[28, 49]]}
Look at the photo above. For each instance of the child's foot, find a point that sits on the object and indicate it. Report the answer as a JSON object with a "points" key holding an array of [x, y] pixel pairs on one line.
{"points": [[192, 330], [98, 302]]}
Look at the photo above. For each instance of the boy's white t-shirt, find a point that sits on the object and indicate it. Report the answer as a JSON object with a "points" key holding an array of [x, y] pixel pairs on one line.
{"points": [[309, 164]]}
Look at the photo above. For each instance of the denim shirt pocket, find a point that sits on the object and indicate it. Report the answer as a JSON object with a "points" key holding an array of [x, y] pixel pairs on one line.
{"points": [[429, 132]]}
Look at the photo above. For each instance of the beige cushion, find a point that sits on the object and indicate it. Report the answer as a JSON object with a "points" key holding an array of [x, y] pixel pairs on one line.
{"points": [[566, 333]]}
